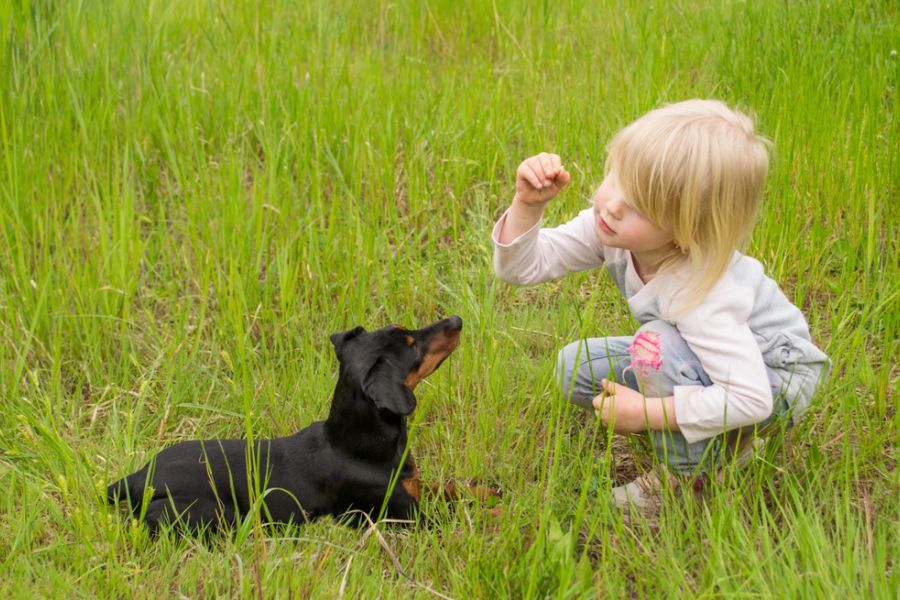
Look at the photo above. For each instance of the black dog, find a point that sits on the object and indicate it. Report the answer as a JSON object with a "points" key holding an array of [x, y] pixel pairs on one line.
{"points": [[345, 463]]}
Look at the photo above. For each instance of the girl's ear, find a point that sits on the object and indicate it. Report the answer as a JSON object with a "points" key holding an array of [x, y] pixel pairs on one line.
{"points": [[339, 339]]}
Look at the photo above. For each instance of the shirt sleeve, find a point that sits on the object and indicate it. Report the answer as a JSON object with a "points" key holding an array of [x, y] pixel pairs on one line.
{"points": [[740, 395], [542, 254]]}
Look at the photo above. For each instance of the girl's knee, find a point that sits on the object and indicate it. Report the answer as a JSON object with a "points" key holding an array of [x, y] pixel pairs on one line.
{"points": [[661, 359], [660, 333], [651, 341], [581, 365]]}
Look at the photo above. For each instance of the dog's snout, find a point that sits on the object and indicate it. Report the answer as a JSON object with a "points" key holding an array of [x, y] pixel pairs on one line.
{"points": [[454, 323]]}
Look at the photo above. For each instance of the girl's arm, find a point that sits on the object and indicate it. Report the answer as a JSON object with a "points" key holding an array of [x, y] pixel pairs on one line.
{"points": [[525, 254], [719, 334], [543, 254], [520, 218], [627, 411]]}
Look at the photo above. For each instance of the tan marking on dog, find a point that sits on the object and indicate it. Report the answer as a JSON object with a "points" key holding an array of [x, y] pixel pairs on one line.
{"points": [[413, 484], [440, 348]]}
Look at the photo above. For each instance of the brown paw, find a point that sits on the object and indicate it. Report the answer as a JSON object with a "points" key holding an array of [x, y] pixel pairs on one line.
{"points": [[485, 490]]}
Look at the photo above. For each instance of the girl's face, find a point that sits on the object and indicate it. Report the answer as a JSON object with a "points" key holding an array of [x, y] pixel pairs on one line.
{"points": [[620, 225]]}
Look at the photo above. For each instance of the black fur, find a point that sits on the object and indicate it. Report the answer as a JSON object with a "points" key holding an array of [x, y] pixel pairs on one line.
{"points": [[342, 464]]}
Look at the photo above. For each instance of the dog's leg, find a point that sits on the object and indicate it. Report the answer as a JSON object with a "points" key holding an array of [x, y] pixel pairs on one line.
{"points": [[402, 506], [158, 515], [451, 491], [193, 517], [486, 495]]}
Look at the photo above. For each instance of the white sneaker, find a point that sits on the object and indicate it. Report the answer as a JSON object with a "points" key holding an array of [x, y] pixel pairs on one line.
{"points": [[644, 493]]}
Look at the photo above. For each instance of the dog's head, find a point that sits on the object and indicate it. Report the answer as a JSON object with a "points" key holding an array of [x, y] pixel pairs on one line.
{"points": [[388, 363]]}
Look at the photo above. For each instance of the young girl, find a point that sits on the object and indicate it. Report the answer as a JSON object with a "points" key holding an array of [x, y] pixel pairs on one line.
{"points": [[720, 348]]}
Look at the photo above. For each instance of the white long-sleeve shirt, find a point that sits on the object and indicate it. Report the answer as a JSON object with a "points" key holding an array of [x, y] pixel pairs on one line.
{"points": [[742, 326]]}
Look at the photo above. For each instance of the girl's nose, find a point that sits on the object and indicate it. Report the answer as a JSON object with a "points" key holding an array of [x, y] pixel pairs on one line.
{"points": [[616, 207]]}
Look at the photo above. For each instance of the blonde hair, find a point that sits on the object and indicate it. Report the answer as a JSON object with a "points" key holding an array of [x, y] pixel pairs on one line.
{"points": [[696, 169]]}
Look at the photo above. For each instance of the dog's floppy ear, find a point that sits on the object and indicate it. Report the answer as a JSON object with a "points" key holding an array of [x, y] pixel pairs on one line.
{"points": [[387, 390], [339, 339]]}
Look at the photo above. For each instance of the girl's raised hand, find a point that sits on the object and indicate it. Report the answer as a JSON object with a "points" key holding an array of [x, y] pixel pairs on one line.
{"points": [[540, 178]]}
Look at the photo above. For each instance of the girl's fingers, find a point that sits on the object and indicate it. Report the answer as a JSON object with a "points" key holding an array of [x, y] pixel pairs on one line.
{"points": [[538, 165], [544, 170], [607, 397], [527, 172], [558, 173], [556, 163], [546, 167]]}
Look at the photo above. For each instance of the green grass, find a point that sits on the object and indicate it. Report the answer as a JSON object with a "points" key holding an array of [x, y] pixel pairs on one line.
{"points": [[195, 193]]}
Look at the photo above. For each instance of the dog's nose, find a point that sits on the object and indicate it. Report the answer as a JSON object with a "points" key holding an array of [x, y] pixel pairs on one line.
{"points": [[454, 323]]}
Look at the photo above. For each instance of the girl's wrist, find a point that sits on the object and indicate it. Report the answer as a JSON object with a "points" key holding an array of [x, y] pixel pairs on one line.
{"points": [[661, 413], [529, 209], [520, 218]]}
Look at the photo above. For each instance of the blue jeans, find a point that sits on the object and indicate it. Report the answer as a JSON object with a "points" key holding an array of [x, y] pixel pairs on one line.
{"points": [[654, 361]]}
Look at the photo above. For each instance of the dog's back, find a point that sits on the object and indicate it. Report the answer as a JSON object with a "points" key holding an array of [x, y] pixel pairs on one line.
{"points": [[289, 471]]}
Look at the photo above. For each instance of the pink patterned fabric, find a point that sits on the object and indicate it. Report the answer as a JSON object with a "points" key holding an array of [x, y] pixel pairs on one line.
{"points": [[646, 352]]}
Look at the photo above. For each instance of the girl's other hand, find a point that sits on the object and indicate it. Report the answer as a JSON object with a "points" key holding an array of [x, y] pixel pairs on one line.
{"points": [[628, 411], [539, 179], [620, 407]]}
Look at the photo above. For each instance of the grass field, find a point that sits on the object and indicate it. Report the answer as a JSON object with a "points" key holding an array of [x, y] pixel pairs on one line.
{"points": [[194, 194]]}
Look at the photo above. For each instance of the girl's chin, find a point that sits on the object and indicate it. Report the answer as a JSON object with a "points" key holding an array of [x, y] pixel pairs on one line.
{"points": [[605, 238]]}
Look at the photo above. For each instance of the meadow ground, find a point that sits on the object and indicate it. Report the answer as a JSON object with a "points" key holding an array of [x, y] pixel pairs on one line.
{"points": [[195, 193]]}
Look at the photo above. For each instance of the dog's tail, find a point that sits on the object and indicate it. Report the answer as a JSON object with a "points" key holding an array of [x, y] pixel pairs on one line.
{"points": [[130, 488]]}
